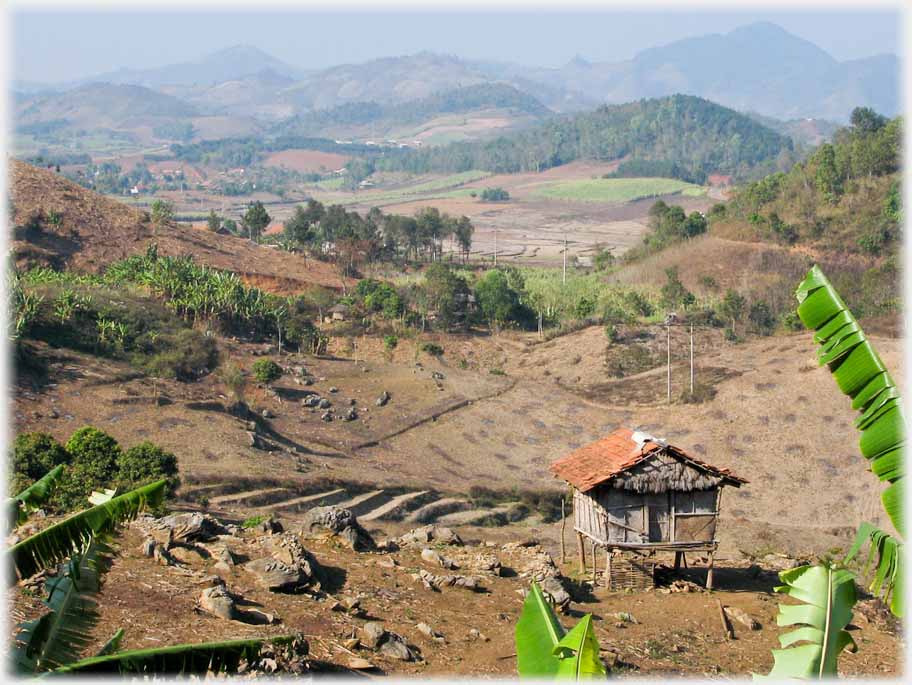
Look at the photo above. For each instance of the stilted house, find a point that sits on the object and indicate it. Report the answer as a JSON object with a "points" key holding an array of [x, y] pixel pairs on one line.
{"points": [[633, 492]]}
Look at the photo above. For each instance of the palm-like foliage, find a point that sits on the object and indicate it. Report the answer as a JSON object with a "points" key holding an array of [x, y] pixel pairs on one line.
{"points": [[860, 374], [33, 496], [72, 535], [827, 595], [545, 650]]}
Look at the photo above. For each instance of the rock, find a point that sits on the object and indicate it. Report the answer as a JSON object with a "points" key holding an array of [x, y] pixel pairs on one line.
{"points": [[437, 376], [351, 643], [434, 557], [429, 533], [324, 403], [334, 389], [308, 381], [743, 617], [383, 399], [429, 632], [372, 633], [476, 634], [553, 589], [216, 601], [268, 526], [147, 548], [277, 576], [356, 663], [311, 401], [327, 416], [252, 440], [54, 414], [267, 414], [352, 402], [340, 522], [395, 647], [181, 528], [351, 414], [187, 555]]}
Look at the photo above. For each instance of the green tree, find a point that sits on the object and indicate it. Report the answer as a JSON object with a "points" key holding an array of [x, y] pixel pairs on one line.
{"points": [[674, 294], [827, 177], [446, 293], [497, 300], [732, 307], [34, 454], [146, 463], [255, 220], [865, 120], [95, 456], [213, 221], [162, 212], [266, 370]]}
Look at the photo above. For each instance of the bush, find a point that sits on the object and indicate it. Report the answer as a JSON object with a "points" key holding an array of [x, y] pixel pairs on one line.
{"points": [[432, 349], [266, 371], [390, 342], [185, 355], [791, 322], [95, 457], [253, 521], [494, 195], [34, 454], [146, 463]]}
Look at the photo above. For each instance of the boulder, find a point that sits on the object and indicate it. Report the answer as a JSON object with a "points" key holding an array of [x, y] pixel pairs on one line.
{"points": [[216, 601], [434, 557], [395, 647], [339, 522], [429, 533], [553, 589], [383, 399], [277, 576], [371, 634]]}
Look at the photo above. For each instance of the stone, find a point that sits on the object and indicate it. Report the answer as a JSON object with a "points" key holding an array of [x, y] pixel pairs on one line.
{"points": [[267, 414], [216, 601], [437, 376], [334, 389], [351, 414], [251, 439], [327, 416], [372, 633], [324, 403], [434, 557], [396, 648], [147, 548], [429, 632], [189, 527], [357, 663], [383, 399], [339, 522], [429, 533], [552, 588]]}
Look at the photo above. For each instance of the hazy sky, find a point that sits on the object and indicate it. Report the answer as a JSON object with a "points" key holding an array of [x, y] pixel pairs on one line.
{"points": [[53, 45]]}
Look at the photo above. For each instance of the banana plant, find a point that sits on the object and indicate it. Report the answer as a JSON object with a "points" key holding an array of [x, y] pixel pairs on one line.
{"points": [[53, 642], [33, 496], [860, 374], [545, 650], [827, 592]]}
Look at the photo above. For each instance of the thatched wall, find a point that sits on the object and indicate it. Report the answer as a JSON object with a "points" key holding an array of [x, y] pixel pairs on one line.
{"points": [[663, 473]]}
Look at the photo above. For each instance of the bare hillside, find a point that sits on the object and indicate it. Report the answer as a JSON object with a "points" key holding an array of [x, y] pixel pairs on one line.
{"points": [[93, 231]]}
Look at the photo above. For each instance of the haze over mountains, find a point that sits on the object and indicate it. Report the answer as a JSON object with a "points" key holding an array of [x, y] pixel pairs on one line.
{"points": [[759, 68]]}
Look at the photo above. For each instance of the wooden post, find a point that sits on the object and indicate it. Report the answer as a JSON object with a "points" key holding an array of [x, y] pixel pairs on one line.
{"points": [[677, 560], [691, 359], [608, 568], [563, 527], [668, 351], [709, 573], [594, 563], [582, 552], [726, 626]]}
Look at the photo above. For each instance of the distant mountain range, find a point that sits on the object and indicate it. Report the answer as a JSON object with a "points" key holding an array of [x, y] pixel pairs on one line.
{"points": [[759, 68]]}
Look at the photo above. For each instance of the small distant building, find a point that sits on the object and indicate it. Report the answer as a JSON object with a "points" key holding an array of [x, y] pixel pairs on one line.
{"points": [[338, 312], [634, 493], [719, 180], [366, 184]]}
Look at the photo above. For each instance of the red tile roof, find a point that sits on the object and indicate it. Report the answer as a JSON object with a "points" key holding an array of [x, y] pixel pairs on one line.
{"points": [[605, 458]]}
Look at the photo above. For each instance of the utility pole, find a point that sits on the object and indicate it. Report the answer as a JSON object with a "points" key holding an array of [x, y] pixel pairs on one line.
{"points": [[495, 247], [565, 259], [691, 359], [668, 351]]}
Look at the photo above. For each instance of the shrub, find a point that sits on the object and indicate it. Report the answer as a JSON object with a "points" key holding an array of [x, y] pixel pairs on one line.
{"points": [[34, 454], [253, 521], [497, 372], [432, 349], [95, 457], [494, 195], [162, 212], [146, 463], [185, 355], [390, 342], [791, 322], [266, 371]]}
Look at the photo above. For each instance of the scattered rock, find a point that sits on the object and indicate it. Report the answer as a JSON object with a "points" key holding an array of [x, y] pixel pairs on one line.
{"points": [[356, 663], [324, 403], [395, 647], [429, 533], [383, 399], [216, 601], [334, 389], [267, 414], [327, 416], [553, 589], [432, 582], [476, 634], [429, 632], [311, 401], [351, 414], [742, 617], [437, 376], [434, 557], [371, 634]]}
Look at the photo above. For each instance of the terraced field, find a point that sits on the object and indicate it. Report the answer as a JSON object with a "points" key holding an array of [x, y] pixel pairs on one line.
{"points": [[616, 190]]}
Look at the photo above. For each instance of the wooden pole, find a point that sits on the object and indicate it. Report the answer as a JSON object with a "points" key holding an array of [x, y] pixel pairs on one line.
{"points": [[668, 364], [677, 560], [709, 573], [691, 359], [582, 552], [726, 626], [594, 563], [608, 569], [563, 527]]}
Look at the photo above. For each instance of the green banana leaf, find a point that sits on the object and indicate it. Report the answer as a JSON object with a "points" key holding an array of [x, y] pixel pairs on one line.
{"points": [[112, 645], [538, 633], [578, 652], [888, 571], [59, 636], [195, 659], [33, 496], [826, 597], [72, 535], [860, 374]]}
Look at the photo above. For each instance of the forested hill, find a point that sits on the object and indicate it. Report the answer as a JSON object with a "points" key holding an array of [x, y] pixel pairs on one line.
{"points": [[844, 198], [458, 100], [680, 135]]}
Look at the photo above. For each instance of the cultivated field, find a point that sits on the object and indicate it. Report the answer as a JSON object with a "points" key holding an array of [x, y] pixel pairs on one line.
{"points": [[616, 189], [306, 160]]}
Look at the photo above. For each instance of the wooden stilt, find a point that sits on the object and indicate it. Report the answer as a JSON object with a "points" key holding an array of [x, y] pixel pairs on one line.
{"points": [[582, 552], [677, 560], [608, 569], [594, 564], [563, 526], [709, 573]]}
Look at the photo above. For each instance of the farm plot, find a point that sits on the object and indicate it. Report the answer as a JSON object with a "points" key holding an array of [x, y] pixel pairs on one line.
{"points": [[615, 189], [306, 161]]}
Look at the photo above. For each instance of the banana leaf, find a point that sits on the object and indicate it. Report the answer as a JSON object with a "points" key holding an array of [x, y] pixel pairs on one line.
{"points": [[538, 633], [860, 373], [578, 651], [72, 535], [112, 645], [826, 597], [889, 569], [59, 636], [33, 496], [188, 659]]}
